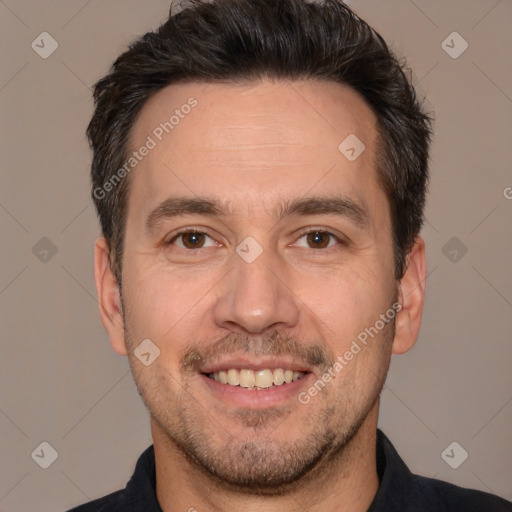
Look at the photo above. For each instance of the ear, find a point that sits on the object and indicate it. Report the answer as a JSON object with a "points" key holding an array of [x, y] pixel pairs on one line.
{"points": [[412, 297], [109, 297]]}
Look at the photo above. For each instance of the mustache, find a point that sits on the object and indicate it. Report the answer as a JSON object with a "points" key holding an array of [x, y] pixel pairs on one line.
{"points": [[272, 344]]}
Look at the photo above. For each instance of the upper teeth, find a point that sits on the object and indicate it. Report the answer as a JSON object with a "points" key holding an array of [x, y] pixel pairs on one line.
{"points": [[256, 379]]}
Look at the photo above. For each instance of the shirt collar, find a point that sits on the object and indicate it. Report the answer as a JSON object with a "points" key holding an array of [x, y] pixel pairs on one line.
{"points": [[141, 489]]}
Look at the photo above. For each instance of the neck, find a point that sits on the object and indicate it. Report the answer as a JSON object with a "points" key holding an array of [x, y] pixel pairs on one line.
{"points": [[346, 481]]}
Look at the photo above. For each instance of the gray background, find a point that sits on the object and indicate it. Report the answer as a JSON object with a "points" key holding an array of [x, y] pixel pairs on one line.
{"points": [[60, 380]]}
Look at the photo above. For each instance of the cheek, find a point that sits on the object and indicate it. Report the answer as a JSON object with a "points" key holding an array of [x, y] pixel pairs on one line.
{"points": [[346, 302], [164, 305]]}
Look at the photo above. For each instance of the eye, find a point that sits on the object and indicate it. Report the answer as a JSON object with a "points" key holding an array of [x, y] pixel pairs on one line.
{"points": [[191, 240], [317, 239]]}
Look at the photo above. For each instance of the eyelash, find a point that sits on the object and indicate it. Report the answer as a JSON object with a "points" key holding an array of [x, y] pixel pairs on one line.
{"points": [[305, 233]]}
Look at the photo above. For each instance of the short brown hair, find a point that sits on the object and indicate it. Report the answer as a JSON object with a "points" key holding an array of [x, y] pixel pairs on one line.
{"points": [[244, 41]]}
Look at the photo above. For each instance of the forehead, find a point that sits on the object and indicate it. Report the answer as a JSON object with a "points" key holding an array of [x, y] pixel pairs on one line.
{"points": [[253, 141]]}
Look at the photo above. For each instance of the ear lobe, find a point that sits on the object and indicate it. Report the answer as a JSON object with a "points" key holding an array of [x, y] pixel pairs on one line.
{"points": [[108, 296], [412, 298]]}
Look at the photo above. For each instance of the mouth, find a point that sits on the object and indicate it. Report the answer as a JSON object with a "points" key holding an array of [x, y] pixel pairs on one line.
{"points": [[246, 378], [256, 383]]}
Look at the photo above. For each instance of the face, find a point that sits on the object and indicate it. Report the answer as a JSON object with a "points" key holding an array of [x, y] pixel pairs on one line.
{"points": [[255, 248]]}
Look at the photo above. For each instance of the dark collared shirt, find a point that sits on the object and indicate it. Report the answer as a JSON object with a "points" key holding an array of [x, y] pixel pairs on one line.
{"points": [[399, 490]]}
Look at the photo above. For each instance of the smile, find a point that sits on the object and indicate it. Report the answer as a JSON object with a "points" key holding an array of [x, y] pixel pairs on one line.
{"points": [[255, 379]]}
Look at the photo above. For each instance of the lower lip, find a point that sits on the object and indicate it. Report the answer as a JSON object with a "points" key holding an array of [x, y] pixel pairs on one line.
{"points": [[257, 398]]}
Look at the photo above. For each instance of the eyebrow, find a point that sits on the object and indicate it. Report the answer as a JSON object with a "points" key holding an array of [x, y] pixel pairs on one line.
{"points": [[318, 205], [321, 205]]}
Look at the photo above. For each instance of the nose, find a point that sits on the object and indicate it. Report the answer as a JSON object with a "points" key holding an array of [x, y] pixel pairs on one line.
{"points": [[255, 297]]}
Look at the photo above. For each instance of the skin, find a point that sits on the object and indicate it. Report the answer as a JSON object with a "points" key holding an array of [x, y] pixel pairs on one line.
{"points": [[258, 146]]}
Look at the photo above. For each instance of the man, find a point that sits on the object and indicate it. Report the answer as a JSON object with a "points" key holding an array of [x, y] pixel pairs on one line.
{"points": [[259, 172]]}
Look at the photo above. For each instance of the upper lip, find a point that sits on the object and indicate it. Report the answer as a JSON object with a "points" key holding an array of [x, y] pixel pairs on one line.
{"points": [[255, 363]]}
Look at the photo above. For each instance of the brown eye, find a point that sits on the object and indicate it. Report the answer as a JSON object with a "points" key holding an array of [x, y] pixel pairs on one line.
{"points": [[193, 240], [318, 239]]}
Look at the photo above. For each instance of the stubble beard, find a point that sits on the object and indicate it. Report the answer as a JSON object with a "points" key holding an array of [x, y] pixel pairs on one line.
{"points": [[257, 464]]}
